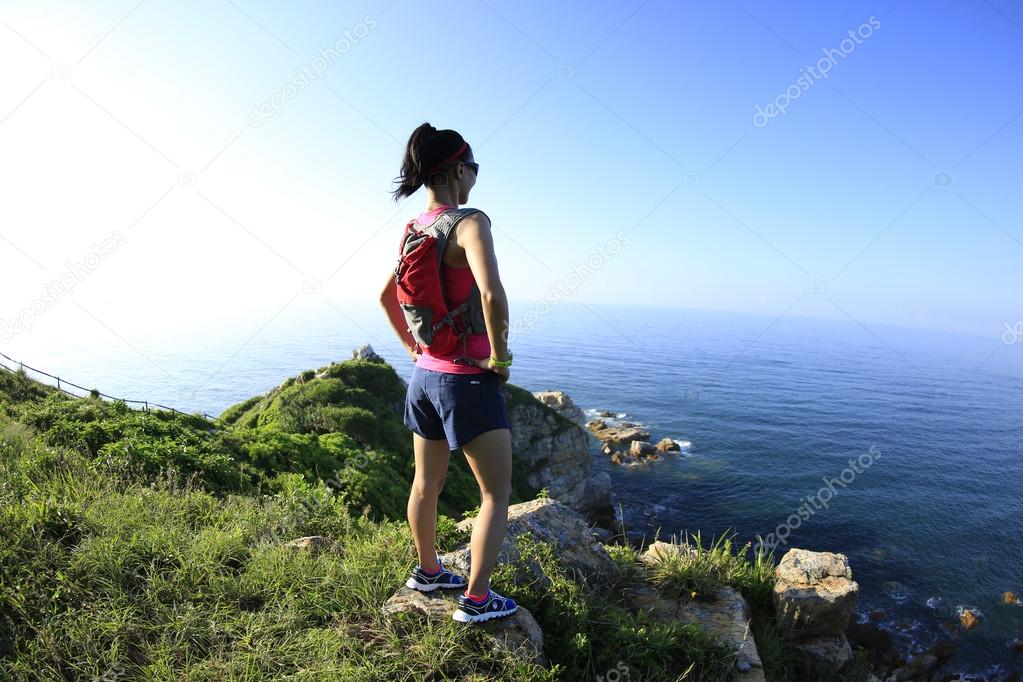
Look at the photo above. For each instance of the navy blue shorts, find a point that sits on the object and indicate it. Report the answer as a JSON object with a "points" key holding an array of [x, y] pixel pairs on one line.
{"points": [[457, 407]]}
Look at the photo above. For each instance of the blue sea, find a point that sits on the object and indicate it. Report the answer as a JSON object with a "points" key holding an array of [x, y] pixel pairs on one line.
{"points": [[919, 432]]}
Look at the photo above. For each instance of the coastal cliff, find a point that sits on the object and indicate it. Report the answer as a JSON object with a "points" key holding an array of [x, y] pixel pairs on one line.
{"points": [[275, 537]]}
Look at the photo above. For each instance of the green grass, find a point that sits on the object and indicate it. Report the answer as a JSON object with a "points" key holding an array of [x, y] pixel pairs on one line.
{"points": [[698, 571], [150, 545], [103, 572]]}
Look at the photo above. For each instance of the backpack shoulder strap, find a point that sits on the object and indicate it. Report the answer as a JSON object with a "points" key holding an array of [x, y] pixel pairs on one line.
{"points": [[445, 223]]}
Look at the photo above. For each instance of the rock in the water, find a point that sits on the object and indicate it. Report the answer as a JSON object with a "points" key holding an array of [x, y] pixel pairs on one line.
{"points": [[617, 436], [943, 648], [518, 633], [1017, 645], [559, 401], [667, 445], [1010, 598], [814, 593], [823, 656], [607, 413], [869, 636], [547, 520], [640, 448], [314, 544], [923, 663], [969, 618]]}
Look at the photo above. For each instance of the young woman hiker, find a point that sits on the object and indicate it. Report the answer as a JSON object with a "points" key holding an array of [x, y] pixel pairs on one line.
{"points": [[455, 400]]}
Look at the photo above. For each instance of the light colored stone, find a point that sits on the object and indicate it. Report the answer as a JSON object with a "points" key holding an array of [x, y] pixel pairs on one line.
{"points": [[814, 593], [726, 614], [616, 436], [969, 618], [668, 445], [518, 633], [314, 544], [547, 520], [560, 402], [365, 352], [639, 448], [658, 550]]}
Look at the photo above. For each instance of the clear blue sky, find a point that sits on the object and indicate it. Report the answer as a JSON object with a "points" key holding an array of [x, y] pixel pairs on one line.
{"points": [[888, 186]]}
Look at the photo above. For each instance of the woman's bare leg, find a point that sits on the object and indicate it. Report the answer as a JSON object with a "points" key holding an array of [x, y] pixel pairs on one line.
{"points": [[490, 458], [431, 467]]}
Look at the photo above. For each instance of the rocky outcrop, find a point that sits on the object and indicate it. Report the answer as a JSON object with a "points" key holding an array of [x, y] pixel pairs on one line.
{"points": [[562, 404], [668, 445], [518, 634], [366, 352], [617, 436], [628, 443], [814, 596], [553, 453], [546, 520], [726, 613]]}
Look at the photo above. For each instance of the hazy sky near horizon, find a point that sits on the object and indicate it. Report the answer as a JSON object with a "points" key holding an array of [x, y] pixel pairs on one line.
{"points": [[179, 164]]}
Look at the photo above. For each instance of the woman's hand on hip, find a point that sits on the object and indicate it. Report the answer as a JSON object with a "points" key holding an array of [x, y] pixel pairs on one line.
{"points": [[503, 372]]}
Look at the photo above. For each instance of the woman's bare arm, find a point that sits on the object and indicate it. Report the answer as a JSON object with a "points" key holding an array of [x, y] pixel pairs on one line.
{"points": [[474, 235]]}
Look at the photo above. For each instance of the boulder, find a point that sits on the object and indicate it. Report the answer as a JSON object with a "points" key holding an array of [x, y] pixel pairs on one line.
{"points": [[562, 404], [547, 520], [668, 445], [725, 614], [617, 436], [366, 352], [553, 452], [640, 448], [814, 594], [314, 544], [658, 550], [518, 633], [869, 636], [969, 618], [823, 656], [923, 663]]}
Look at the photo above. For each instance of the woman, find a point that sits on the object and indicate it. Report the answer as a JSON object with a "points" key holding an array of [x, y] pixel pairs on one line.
{"points": [[455, 401]]}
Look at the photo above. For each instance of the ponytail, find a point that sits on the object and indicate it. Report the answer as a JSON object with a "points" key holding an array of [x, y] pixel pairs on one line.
{"points": [[428, 155]]}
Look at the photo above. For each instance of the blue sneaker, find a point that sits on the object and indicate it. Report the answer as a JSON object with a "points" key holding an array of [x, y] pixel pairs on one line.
{"points": [[427, 583], [494, 606]]}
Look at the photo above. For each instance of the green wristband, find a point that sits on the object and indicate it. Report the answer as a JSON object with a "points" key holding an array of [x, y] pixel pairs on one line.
{"points": [[501, 363]]}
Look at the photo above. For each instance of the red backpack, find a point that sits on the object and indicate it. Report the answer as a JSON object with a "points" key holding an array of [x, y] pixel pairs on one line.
{"points": [[434, 326]]}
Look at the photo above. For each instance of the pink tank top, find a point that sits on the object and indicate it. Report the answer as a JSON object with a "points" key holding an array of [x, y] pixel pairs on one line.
{"points": [[458, 283]]}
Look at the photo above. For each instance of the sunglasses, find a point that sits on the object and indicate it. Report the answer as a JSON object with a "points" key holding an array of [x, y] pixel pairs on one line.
{"points": [[474, 166]]}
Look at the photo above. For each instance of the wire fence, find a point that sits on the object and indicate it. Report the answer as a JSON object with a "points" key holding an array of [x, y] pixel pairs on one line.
{"points": [[6, 361]]}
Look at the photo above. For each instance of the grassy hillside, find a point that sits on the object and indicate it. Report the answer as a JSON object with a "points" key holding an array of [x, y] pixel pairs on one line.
{"points": [[148, 545]]}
